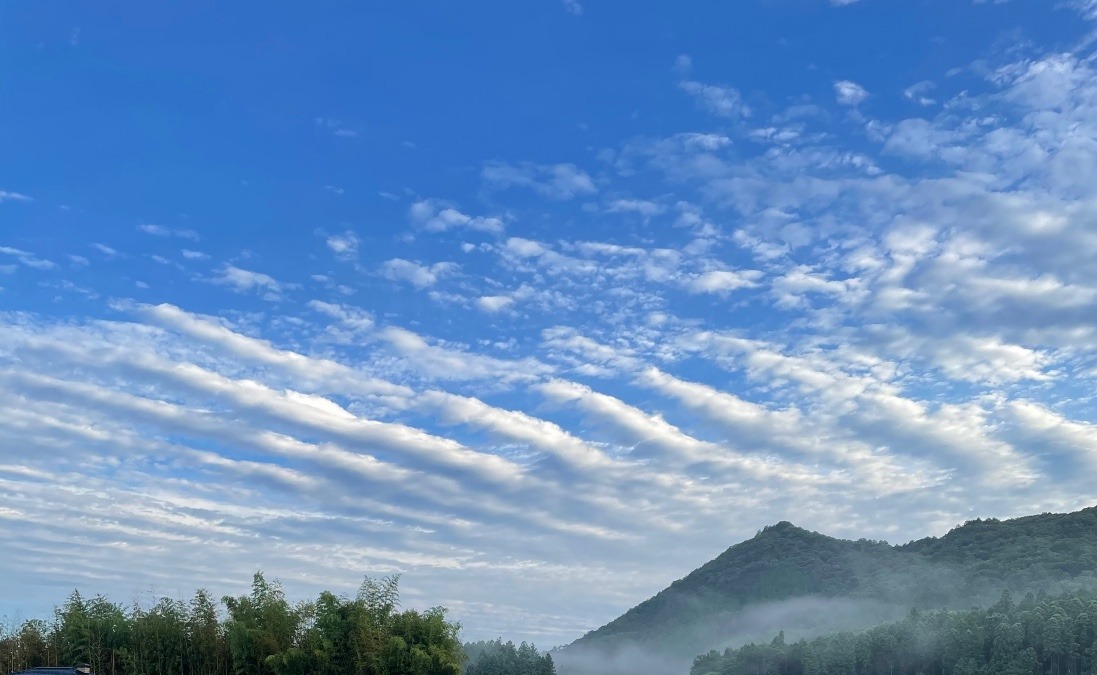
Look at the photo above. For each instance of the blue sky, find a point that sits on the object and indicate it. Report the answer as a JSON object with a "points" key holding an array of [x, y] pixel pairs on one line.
{"points": [[540, 304]]}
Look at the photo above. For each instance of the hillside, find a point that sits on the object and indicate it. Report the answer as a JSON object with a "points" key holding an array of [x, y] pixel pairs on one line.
{"points": [[1037, 635], [788, 578], [1050, 547]]}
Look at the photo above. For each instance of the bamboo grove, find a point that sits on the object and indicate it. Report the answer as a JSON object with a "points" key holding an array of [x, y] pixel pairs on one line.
{"points": [[256, 634]]}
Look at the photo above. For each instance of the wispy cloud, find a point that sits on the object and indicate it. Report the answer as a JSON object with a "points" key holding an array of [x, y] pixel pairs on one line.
{"points": [[28, 259], [246, 281], [420, 276], [107, 251], [717, 99], [722, 281], [919, 92], [553, 181], [436, 216], [13, 196], [162, 231], [849, 93], [345, 245], [641, 207], [335, 127]]}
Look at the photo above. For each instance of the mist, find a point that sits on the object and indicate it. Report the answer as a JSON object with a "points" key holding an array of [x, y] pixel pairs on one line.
{"points": [[801, 617]]}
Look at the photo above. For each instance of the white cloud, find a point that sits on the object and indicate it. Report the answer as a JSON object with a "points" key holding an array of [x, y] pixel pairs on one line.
{"points": [[849, 93], [161, 231], [452, 362], [13, 197], [719, 100], [420, 276], [553, 181], [641, 207], [344, 246], [106, 250], [1088, 8], [573, 7], [246, 281], [28, 259], [683, 64], [920, 138], [723, 281], [435, 216], [1052, 430], [194, 255], [795, 287], [674, 446], [525, 248], [919, 93], [494, 303], [309, 371], [335, 126]]}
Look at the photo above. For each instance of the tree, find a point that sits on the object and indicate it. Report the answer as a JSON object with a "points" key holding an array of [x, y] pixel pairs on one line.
{"points": [[259, 626]]}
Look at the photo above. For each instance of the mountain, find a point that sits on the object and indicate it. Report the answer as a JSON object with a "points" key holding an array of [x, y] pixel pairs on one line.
{"points": [[805, 583]]}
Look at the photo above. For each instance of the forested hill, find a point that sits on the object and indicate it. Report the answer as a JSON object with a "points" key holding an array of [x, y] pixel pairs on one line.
{"points": [[1023, 550], [787, 578]]}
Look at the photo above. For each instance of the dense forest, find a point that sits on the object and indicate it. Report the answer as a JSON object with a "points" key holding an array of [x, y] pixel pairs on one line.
{"points": [[503, 658], [256, 634], [1037, 636]]}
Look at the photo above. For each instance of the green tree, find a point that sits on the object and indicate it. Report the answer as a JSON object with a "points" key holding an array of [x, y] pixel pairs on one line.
{"points": [[260, 625]]}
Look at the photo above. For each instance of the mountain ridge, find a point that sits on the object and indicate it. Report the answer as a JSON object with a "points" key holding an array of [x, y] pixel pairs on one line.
{"points": [[795, 574]]}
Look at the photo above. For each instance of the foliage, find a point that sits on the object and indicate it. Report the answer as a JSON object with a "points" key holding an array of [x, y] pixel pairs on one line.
{"points": [[261, 633], [1038, 636], [1023, 551], [498, 658]]}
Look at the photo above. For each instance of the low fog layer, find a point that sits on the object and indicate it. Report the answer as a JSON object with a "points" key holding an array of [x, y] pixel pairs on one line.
{"points": [[798, 617]]}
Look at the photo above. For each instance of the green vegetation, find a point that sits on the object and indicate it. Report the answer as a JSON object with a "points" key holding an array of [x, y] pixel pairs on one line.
{"points": [[503, 658], [1029, 551], [1038, 636], [792, 579], [262, 634]]}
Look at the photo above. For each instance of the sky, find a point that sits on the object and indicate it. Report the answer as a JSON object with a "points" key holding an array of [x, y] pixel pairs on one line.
{"points": [[538, 304]]}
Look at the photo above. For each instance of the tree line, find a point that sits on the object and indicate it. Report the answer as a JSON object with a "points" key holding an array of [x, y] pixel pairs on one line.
{"points": [[260, 633], [1040, 635], [496, 657]]}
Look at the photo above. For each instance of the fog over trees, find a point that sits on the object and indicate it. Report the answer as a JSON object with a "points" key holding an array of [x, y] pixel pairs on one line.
{"points": [[1039, 635]]}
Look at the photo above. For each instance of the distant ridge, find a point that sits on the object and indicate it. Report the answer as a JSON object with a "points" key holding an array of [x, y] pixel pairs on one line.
{"points": [[789, 578]]}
